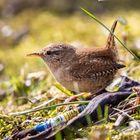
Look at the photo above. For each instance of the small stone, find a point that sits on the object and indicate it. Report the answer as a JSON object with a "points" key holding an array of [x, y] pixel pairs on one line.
{"points": [[121, 120], [135, 125]]}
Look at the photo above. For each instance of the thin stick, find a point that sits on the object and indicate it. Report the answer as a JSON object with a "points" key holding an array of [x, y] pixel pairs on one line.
{"points": [[113, 115], [48, 107], [122, 111], [45, 103]]}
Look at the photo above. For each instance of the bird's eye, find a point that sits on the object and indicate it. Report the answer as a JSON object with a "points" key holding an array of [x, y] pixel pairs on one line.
{"points": [[48, 52], [52, 53]]}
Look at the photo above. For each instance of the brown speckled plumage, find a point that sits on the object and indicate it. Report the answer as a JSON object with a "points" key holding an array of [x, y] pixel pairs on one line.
{"points": [[92, 69]]}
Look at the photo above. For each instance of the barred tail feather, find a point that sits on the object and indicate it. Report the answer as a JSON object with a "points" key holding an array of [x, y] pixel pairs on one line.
{"points": [[110, 40], [119, 66]]}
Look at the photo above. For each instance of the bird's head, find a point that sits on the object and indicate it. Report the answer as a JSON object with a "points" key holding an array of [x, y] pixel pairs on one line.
{"points": [[55, 54]]}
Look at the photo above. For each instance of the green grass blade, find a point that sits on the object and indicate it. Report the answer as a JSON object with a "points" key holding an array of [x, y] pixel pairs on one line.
{"points": [[99, 113], [106, 113], [97, 20], [67, 92], [47, 107]]}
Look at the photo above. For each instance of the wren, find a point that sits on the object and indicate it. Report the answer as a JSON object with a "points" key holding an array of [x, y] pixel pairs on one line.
{"points": [[92, 69]]}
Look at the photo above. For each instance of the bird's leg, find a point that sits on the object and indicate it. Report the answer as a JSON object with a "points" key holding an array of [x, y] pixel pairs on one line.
{"points": [[84, 95], [93, 94], [74, 97]]}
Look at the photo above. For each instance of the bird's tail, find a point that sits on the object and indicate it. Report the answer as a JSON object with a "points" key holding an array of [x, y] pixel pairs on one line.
{"points": [[110, 40], [111, 46], [119, 66]]}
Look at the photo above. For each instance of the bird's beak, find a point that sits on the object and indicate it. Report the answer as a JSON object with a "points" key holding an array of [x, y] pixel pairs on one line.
{"points": [[35, 54]]}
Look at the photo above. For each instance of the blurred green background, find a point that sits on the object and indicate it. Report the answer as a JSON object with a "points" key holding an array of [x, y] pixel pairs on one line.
{"points": [[28, 25]]}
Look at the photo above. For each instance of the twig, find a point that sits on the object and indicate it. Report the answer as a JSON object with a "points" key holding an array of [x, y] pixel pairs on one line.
{"points": [[45, 103], [48, 107], [124, 112]]}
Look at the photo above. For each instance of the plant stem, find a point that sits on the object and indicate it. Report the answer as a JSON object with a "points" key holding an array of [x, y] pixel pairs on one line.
{"points": [[48, 107], [97, 20]]}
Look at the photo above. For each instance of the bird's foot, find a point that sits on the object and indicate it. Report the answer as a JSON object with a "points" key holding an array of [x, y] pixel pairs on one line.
{"points": [[82, 95], [93, 94]]}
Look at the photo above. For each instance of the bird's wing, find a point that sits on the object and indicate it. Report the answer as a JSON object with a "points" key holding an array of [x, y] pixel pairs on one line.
{"points": [[94, 68]]}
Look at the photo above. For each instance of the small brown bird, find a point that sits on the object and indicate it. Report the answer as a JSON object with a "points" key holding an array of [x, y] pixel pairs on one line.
{"points": [[92, 69]]}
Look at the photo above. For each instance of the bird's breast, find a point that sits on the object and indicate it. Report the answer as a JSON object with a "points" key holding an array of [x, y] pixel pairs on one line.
{"points": [[61, 74], [94, 83], [57, 74]]}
